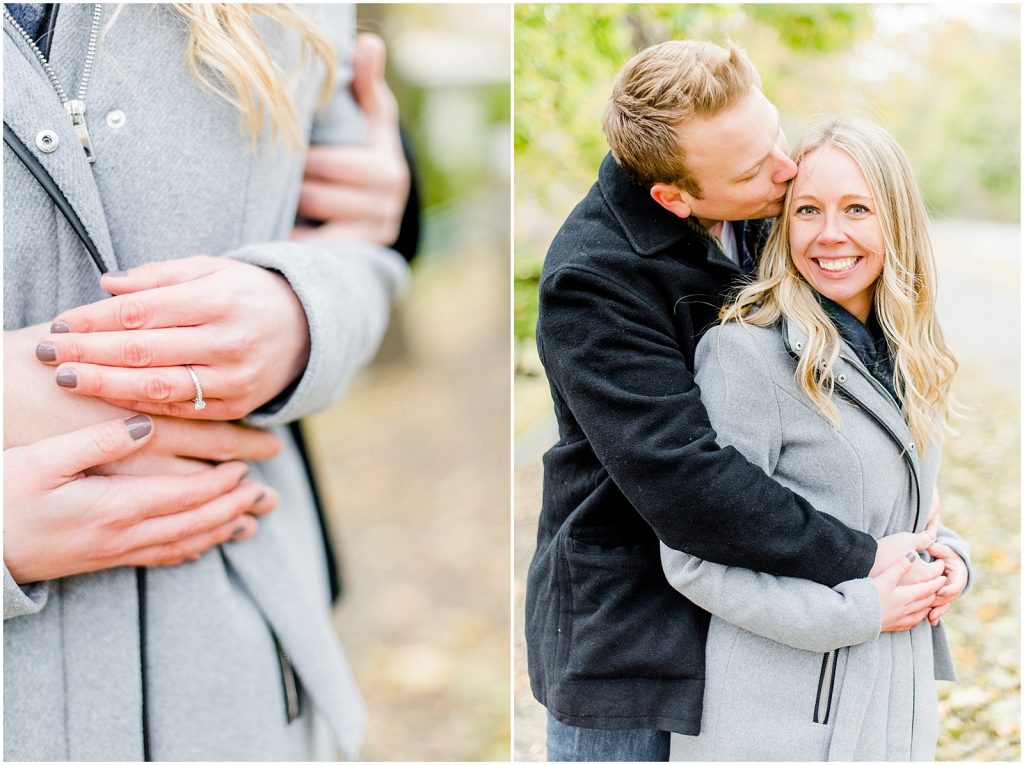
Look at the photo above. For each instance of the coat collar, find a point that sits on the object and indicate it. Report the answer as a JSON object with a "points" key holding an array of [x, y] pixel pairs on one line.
{"points": [[650, 229], [854, 380], [648, 226], [30, 106]]}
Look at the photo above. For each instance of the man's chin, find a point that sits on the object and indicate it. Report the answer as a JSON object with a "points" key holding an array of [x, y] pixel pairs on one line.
{"points": [[774, 210]]}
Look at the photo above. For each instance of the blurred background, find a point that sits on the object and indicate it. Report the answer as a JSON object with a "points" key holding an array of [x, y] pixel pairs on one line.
{"points": [[414, 461], [945, 80]]}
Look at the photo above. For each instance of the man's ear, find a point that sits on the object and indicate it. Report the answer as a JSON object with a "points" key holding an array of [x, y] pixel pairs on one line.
{"points": [[672, 198]]}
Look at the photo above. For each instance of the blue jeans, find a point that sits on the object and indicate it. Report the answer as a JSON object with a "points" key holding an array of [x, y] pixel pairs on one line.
{"points": [[568, 743]]}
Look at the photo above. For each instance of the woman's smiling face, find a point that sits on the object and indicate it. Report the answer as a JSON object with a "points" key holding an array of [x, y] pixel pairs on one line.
{"points": [[835, 234]]}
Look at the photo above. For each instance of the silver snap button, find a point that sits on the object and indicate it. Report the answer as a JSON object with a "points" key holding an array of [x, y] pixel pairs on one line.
{"points": [[799, 346], [115, 119], [47, 141], [911, 446], [842, 378]]}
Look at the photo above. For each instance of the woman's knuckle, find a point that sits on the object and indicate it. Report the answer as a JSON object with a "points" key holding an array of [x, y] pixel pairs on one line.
{"points": [[136, 353], [247, 378], [226, 345], [105, 442], [69, 350], [158, 387], [191, 497], [107, 523], [132, 313], [189, 527], [110, 540], [226, 448], [236, 408]]}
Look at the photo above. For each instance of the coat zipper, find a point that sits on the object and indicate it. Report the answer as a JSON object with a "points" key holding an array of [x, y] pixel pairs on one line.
{"points": [[905, 453], [75, 107], [871, 379], [826, 686]]}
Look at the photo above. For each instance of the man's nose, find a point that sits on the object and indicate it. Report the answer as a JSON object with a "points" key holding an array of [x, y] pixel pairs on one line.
{"points": [[785, 169]]}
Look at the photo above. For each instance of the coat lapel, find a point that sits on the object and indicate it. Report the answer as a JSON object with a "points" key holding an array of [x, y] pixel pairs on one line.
{"points": [[31, 106]]}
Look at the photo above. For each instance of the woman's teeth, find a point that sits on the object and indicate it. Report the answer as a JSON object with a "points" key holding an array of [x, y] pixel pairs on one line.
{"points": [[838, 264]]}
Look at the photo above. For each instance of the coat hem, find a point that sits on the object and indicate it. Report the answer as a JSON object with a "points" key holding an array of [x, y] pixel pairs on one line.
{"points": [[682, 693]]}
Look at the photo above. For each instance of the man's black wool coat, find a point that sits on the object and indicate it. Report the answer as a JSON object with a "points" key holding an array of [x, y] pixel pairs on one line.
{"points": [[626, 292]]}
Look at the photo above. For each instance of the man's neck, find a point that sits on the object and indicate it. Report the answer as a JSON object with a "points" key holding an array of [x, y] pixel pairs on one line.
{"points": [[714, 227]]}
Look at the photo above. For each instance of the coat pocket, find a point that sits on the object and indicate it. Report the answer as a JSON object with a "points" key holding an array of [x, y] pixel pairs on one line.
{"points": [[826, 687], [625, 621]]}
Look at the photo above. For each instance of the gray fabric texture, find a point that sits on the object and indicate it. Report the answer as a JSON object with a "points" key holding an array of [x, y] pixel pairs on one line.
{"points": [[180, 178], [769, 694]]}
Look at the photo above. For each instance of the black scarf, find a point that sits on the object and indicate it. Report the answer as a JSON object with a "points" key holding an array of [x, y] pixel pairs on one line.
{"points": [[867, 341]]}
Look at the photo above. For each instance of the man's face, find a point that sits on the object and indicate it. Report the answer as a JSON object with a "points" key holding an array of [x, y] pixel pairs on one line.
{"points": [[739, 158]]}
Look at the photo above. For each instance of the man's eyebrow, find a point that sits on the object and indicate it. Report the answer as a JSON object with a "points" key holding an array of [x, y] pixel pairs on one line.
{"points": [[767, 154]]}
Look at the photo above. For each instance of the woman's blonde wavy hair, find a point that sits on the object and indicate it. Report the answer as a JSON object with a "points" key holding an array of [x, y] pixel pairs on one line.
{"points": [[904, 296], [226, 55]]}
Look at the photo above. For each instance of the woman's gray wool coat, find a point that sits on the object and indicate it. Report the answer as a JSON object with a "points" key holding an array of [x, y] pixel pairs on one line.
{"points": [[797, 670], [178, 178]]}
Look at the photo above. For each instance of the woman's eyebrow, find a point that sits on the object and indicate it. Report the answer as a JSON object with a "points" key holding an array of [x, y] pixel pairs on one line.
{"points": [[811, 195]]}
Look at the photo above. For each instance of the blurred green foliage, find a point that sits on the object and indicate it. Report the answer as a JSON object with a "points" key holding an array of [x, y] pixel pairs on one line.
{"points": [[946, 87]]}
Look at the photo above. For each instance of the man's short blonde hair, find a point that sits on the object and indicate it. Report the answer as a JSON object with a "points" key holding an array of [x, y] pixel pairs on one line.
{"points": [[663, 87]]}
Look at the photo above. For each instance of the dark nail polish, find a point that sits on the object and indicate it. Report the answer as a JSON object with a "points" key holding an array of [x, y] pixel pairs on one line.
{"points": [[138, 426], [911, 556], [259, 498], [46, 352], [66, 378], [59, 327], [237, 533]]}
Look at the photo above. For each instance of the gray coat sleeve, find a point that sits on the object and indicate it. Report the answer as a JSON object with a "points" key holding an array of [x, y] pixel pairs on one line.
{"points": [[735, 378], [346, 290], [23, 600]]}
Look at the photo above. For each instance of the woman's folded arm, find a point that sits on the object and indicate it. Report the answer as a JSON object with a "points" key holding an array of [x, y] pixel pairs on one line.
{"points": [[796, 612]]}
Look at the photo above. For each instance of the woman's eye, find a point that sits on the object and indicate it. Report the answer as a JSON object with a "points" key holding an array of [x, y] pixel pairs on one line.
{"points": [[858, 209], [806, 210]]}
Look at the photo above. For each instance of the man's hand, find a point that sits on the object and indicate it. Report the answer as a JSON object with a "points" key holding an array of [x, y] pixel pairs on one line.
{"points": [[895, 546], [240, 327], [904, 605], [360, 191], [59, 520], [955, 571]]}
